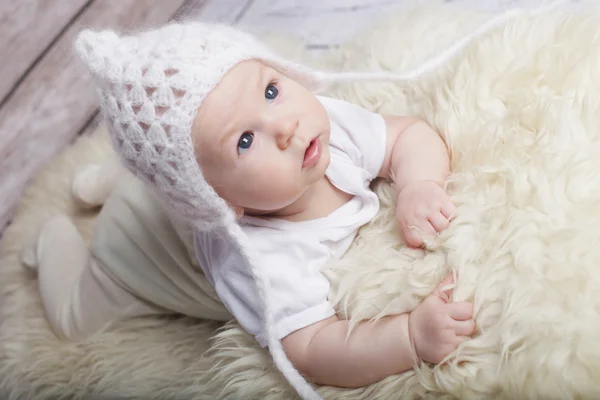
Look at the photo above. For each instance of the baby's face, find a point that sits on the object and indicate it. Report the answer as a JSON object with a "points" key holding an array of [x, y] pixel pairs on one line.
{"points": [[261, 139]]}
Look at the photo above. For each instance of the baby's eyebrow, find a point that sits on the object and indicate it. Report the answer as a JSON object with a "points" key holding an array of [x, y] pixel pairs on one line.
{"points": [[227, 135], [259, 84]]}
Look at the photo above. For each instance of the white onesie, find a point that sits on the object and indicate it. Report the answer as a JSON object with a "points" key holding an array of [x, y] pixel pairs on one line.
{"points": [[293, 253]]}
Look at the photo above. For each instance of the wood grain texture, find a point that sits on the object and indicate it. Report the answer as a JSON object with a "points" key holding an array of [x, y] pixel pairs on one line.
{"points": [[189, 7], [226, 11], [319, 24], [27, 28], [57, 99]]}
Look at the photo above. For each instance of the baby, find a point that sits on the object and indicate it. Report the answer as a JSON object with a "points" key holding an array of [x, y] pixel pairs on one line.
{"points": [[274, 182]]}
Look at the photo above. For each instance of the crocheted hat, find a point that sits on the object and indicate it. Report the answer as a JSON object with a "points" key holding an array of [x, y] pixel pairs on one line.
{"points": [[151, 86]]}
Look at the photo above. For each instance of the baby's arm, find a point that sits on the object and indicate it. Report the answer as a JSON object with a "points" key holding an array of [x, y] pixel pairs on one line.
{"points": [[414, 153], [326, 355], [373, 351], [417, 160]]}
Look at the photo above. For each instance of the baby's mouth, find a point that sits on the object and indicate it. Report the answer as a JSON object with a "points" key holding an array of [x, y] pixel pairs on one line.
{"points": [[312, 153]]}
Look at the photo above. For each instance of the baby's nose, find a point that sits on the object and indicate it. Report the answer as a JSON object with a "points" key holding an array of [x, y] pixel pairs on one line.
{"points": [[285, 131]]}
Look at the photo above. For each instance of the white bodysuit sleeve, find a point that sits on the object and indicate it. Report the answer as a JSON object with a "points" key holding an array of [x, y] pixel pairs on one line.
{"points": [[299, 290]]}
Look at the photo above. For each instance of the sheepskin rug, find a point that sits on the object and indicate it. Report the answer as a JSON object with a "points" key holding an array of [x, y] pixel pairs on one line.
{"points": [[520, 110]]}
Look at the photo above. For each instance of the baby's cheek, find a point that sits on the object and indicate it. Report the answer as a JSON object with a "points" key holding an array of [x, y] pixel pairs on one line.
{"points": [[276, 182], [279, 188]]}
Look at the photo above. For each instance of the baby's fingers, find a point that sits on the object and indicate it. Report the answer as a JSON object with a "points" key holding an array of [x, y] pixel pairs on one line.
{"points": [[460, 311], [464, 328], [412, 237], [442, 290], [458, 340], [448, 209], [423, 227], [439, 221]]}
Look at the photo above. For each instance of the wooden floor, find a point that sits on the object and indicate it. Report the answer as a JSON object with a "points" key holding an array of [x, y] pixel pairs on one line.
{"points": [[47, 99]]}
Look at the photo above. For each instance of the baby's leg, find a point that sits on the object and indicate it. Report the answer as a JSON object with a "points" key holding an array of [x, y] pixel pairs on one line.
{"points": [[93, 184], [79, 299]]}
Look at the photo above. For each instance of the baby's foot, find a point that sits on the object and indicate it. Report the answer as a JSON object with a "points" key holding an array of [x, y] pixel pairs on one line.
{"points": [[28, 254], [84, 188], [94, 183], [55, 230]]}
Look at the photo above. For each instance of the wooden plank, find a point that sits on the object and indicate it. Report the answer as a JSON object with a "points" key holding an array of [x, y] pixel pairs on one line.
{"points": [[226, 11], [190, 7], [27, 28], [57, 99], [95, 121], [319, 24], [324, 24]]}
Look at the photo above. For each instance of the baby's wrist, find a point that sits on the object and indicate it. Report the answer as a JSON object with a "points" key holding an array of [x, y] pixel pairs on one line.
{"points": [[404, 352], [440, 182], [411, 339], [401, 188]]}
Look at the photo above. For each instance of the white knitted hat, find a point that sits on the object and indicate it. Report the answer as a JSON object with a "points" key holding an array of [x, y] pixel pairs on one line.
{"points": [[151, 85]]}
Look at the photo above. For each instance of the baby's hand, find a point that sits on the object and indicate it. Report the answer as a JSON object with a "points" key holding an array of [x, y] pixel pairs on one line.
{"points": [[437, 327], [423, 207]]}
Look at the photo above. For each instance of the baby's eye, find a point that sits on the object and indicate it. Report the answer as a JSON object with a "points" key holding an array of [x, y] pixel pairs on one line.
{"points": [[271, 91], [245, 142]]}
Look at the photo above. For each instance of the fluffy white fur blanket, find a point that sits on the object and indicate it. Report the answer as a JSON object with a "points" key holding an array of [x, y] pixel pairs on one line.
{"points": [[520, 110]]}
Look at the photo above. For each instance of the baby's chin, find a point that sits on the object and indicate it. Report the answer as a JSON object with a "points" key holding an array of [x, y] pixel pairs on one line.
{"points": [[280, 208], [266, 210], [253, 212]]}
